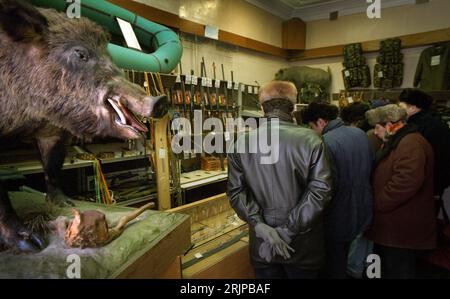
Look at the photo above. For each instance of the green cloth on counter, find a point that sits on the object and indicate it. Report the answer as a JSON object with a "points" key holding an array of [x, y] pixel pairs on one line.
{"points": [[433, 69], [107, 262]]}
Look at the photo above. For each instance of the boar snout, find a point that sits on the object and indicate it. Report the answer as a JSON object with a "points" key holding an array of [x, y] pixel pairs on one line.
{"points": [[159, 105]]}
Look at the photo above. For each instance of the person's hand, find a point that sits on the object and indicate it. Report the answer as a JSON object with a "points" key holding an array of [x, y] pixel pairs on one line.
{"points": [[271, 236], [266, 252], [283, 234]]}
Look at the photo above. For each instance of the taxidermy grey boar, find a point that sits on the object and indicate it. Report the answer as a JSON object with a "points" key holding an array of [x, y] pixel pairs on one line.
{"points": [[299, 75], [57, 80]]}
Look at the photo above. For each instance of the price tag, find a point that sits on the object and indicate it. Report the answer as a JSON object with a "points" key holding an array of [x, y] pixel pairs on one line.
{"points": [[210, 84], [198, 255], [236, 86], [230, 85], [350, 100], [347, 74], [250, 89], [186, 155], [243, 88], [380, 74], [188, 79], [194, 80], [162, 153], [204, 81], [178, 79], [435, 60], [217, 83], [256, 90]]}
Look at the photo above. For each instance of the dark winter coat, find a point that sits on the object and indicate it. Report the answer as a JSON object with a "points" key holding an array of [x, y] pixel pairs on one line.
{"points": [[437, 133], [350, 211], [404, 207]]}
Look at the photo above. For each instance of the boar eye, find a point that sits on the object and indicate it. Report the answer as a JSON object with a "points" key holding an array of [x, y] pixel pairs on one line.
{"points": [[80, 54]]}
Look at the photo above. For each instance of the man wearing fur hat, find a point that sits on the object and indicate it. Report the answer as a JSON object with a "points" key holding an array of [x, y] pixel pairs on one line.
{"points": [[417, 104], [282, 201], [404, 221]]}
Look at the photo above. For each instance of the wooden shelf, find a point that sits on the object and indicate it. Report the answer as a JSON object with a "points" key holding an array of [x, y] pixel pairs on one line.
{"points": [[33, 167], [393, 94], [195, 179]]}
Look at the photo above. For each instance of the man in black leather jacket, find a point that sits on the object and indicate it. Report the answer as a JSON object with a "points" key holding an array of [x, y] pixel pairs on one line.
{"points": [[283, 201]]}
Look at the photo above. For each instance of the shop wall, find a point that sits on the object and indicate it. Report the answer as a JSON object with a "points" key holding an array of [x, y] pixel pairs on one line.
{"points": [[395, 21], [240, 17], [248, 66], [236, 16]]}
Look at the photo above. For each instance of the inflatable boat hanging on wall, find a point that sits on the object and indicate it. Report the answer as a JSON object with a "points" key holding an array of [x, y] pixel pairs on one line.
{"points": [[165, 42]]}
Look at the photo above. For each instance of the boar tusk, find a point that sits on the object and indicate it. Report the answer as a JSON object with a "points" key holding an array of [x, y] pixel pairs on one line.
{"points": [[123, 119]]}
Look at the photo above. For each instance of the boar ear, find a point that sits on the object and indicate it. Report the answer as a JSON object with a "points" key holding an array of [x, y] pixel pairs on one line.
{"points": [[20, 20]]}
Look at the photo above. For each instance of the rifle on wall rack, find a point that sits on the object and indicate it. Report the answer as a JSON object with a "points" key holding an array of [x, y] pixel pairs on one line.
{"points": [[233, 99], [225, 89], [217, 84], [203, 93]]}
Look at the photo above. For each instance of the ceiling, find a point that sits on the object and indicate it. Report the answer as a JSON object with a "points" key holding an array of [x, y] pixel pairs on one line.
{"points": [[296, 4], [311, 10]]}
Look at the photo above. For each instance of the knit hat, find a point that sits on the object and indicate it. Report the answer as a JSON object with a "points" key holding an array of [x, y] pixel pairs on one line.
{"points": [[354, 112], [416, 97], [278, 90], [317, 110], [389, 113]]}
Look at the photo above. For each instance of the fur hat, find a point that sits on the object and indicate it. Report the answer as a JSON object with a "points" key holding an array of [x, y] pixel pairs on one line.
{"points": [[416, 97], [278, 90], [384, 114]]}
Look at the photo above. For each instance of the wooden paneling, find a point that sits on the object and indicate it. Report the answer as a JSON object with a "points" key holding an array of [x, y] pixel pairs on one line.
{"points": [[294, 34], [332, 51], [427, 38], [192, 27], [230, 263], [252, 44], [153, 14], [174, 270], [205, 208], [408, 41]]}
